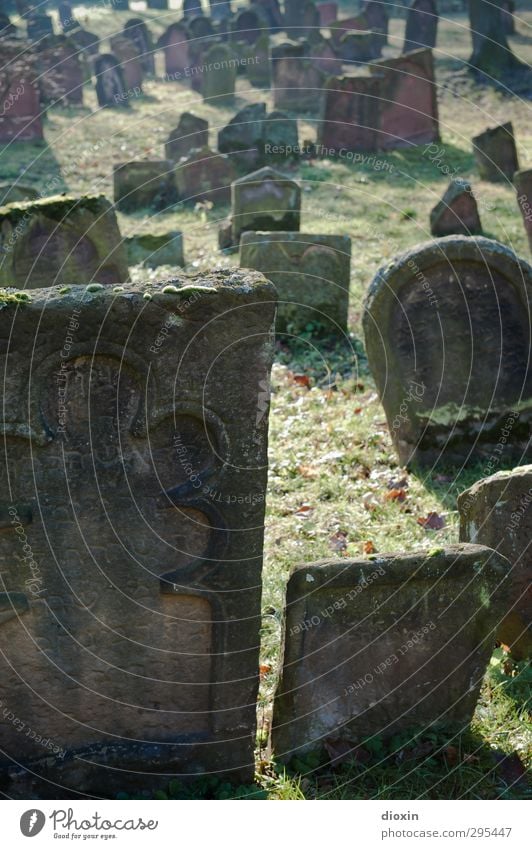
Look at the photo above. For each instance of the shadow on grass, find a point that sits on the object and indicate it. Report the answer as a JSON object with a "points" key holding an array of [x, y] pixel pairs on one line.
{"points": [[323, 358]]}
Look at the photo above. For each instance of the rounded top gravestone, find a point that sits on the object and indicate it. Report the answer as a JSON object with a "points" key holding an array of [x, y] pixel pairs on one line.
{"points": [[448, 339]]}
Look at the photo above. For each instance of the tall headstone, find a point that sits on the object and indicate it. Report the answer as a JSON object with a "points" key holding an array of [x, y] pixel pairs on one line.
{"points": [[497, 512], [376, 14], [144, 185], [190, 134], [297, 81], [328, 13], [174, 42], [61, 74], [66, 17], [247, 25], [457, 212], [448, 342], [350, 117], [39, 27], [127, 56], [265, 200], [110, 84], [421, 25], [20, 115], [138, 32], [271, 11], [130, 398], [496, 154], [311, 274], [60, 240], [219, 75], [385, 644]]}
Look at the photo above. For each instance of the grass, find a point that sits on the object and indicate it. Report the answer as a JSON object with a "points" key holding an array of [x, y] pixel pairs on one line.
{"points": [[330, 449]]}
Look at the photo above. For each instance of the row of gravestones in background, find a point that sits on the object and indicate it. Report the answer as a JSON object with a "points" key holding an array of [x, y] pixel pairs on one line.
{"points": [[135, 458]]}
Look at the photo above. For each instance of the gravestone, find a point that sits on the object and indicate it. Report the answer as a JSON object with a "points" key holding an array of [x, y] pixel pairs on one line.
{"points": [[350, 115], [126, 403], [361, 46], [247, 25], [66, 17], [16, 193], [379, 645], [190, 134], [328, 13], [144, 185], [271, 12], [344, 25], [497, 512], [136, 30], [200, 27], [220, 9], [60, 71], [87, 43], [281, 139], [258, 61], [456, 212], [174, 42], [204, 175], [253, 137], [324, 57], [39, 27], [421, 25], [120, 5], [110, 84], [20, 111], [264, 200], [218, 80], [191, 8], [7, 29], [160, 5], [60, 240], [153, 250], [297, 81], [310, 273], [448, 342], [376, 14], [523, 185], [126, 53], [307, 24], [496, 154], [507, 16], [408, 108]]}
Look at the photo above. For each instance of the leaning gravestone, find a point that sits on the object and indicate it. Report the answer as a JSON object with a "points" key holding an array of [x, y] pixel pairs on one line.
{"points": [[60, 240], [264, 200], [144, 185], [421, 25], [448, 343], [129, 399], [110, 85], [496, 154], [497, 512], [204, 175], [219, 75], [456, 212], [310, 273], [190, 134], [20, 111], [153, 250], [523, 185], [379, 645]]}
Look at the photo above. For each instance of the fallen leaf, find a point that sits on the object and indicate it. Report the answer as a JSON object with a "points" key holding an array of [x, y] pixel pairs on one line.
{"points": [[395, 495], [310, 472], [264, 669], [368, 547], [304, 510], [301, 380], [432, 522], [357, 410], [338, 541]]}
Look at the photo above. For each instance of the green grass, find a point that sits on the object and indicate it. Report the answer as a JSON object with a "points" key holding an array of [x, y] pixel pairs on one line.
{"points": [[330, 448]]}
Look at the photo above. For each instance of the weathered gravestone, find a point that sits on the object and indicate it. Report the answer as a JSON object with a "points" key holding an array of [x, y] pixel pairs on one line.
{"points": [[144, 185], [7, 29], [66, 17], [126, 53], [323, 55], [361, 46], [254, 137], [350, 114], [456, 212], [376, 14], [247, 25], [61, 75], [297, 81], [220, 9], [200, 27], [174, 42], [340, 27], [39, 27], [154, 250], [121, 5], [110, 86], [138, 32], [271, 12], [496, 154], [190, 134], [264, 200], [448, 343], [379, 645], [204, 175], [507, 16], [86, 42], [497, 512], [307, 23], [523, 185], [328, 13], [310, 273], [20, 112], [157, 4], [16, 193], [60, 240], [191, 8], [421, 25], [218, 79], [256, 60], [130, 631]]}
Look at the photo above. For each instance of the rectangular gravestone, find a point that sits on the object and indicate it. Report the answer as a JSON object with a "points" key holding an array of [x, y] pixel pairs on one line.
{"points": [[297, 80], [61, 74], [382, 644], [131, 542], [265, 200], [20, 112], [311, 274], [144, 185], [350, 115], [60, 240]]}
